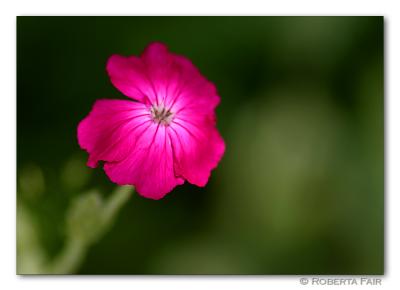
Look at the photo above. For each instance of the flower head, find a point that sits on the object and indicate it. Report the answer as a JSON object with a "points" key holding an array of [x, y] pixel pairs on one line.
{"points": [[165, 134]]}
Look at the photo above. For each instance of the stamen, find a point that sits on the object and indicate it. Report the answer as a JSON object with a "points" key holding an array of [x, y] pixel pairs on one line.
{"points": [[161, 115]]}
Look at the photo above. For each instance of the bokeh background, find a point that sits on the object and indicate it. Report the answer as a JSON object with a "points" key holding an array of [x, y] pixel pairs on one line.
{"points": [[300, 189]]}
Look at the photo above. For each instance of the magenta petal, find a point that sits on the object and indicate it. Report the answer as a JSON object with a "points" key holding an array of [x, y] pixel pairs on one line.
{"points": [[129, 75], [197, 149], [108, 132], [149, 166], [194, 90], [161, 77]]}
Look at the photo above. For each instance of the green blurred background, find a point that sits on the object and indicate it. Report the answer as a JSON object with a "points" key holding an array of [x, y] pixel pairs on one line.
{"points": [[300, 189]]}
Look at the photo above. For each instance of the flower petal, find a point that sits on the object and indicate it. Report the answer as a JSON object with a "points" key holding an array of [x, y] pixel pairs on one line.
{"points": [[110, 129], [194, 90], [161, 77], [197, 148], [149, 166], [129, 75], [179, 83]]}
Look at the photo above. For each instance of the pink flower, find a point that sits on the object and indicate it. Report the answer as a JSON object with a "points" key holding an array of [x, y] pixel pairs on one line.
{"points": [[165, 135]]}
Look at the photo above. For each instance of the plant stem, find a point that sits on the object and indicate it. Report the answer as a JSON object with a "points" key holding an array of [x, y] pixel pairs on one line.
{"points": [[75, 249], [117, 199], [68, 261]]}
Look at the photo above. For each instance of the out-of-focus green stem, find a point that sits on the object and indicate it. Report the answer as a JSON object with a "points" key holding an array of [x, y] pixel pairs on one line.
{"points": [[68, 261], [119, 197], [76, 247]]}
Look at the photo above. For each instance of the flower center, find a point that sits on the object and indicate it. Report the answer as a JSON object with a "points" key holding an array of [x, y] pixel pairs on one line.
{"points": [[161, 115]]}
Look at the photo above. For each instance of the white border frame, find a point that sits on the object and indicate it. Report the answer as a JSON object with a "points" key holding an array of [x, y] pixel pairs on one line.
{"points": [[9, 11]]}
